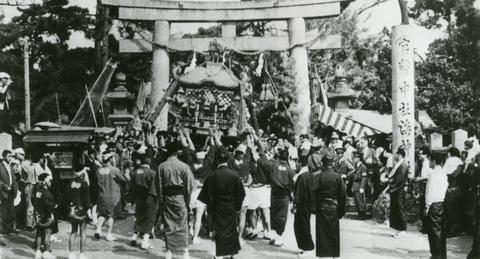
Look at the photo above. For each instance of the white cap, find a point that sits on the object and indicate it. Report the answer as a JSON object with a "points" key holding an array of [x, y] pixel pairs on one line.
{"points": [[4, 75], [19, 151]]}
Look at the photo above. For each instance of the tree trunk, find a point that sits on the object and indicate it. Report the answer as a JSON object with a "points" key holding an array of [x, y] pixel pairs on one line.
{"points": [[403, 11]]}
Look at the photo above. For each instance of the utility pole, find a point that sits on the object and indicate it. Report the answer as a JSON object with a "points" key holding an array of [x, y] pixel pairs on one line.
{"points": [[26, 77], [101, 36]]}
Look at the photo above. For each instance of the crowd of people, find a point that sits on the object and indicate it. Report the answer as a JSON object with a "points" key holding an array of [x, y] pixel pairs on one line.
{"points": [[237, 190]]}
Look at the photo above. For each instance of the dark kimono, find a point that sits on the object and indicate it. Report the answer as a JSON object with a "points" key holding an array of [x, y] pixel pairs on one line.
{"points": [[144, 191], [176, 181], [453, 202], [281, 182], [328, 203], [398, 180], [8, 191], [78, 198], [302, 200], [223, 193], [475, 181], [109, 180], [93, 179]]}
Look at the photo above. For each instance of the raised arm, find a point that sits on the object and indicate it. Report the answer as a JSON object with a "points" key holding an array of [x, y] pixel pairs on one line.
{"points": [[3, 89], [186, 133], [161, 142]]}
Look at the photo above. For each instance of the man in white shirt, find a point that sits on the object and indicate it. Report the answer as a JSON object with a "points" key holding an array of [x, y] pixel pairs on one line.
{"points": [[424, 159], [437, 186]]}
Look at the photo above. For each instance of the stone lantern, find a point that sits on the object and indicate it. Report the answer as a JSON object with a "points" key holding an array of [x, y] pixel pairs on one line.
{"points": [[122, 101], [341, 95]]}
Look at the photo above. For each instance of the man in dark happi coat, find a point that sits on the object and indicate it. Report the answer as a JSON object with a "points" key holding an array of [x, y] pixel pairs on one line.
{"points": [[302, 211], [176, 182], [328, 203], [281, 176], [223, 193], [144, 191], [398, 178], [8, 191], [474, 171]]}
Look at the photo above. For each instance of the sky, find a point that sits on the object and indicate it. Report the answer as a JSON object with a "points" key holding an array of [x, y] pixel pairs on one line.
{"points": [[372, 21]]}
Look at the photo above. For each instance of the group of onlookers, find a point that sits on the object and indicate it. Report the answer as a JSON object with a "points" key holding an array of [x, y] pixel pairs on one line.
{"points": [[236, 190]]}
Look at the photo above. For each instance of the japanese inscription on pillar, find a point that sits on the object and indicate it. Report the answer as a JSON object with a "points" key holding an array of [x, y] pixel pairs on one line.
{"points": [[403, 92]]}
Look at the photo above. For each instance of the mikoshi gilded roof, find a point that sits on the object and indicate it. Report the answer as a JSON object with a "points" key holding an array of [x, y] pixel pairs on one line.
{"points": [[213, 73]]}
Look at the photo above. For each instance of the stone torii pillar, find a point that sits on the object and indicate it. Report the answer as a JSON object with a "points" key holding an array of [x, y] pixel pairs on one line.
{"points": [[296, 31], [160, 68]]}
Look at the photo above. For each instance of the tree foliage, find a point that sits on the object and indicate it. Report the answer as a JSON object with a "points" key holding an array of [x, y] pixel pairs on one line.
{"points": [[366, 60], [450, 75], [55, 70]]}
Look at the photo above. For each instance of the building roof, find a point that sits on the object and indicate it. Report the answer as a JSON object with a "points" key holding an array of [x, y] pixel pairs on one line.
{"points": [[58, 136], [373, 119], [363, 122], [383, 122]]}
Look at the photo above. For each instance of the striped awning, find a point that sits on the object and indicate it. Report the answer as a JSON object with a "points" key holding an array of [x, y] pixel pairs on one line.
{"points": [[341, 123]]}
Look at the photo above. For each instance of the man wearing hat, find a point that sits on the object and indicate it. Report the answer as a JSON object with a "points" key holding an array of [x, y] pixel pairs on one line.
{"points": [[328, 203], [359, 182], [4, 96], [26, 182], [334, 141], [176, 181], [342, 165]]}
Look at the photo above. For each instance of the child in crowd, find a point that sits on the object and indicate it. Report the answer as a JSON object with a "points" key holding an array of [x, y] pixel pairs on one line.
{"points": [[79, 212], [44, 206]]}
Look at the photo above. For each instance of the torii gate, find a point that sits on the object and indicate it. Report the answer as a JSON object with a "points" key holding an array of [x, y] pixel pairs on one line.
{"points": [[165, 12]]}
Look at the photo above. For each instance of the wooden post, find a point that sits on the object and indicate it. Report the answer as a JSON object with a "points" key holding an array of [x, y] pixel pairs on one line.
{"points": [[296, 31], [160, 70], [26, 78], [403, 92]]}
